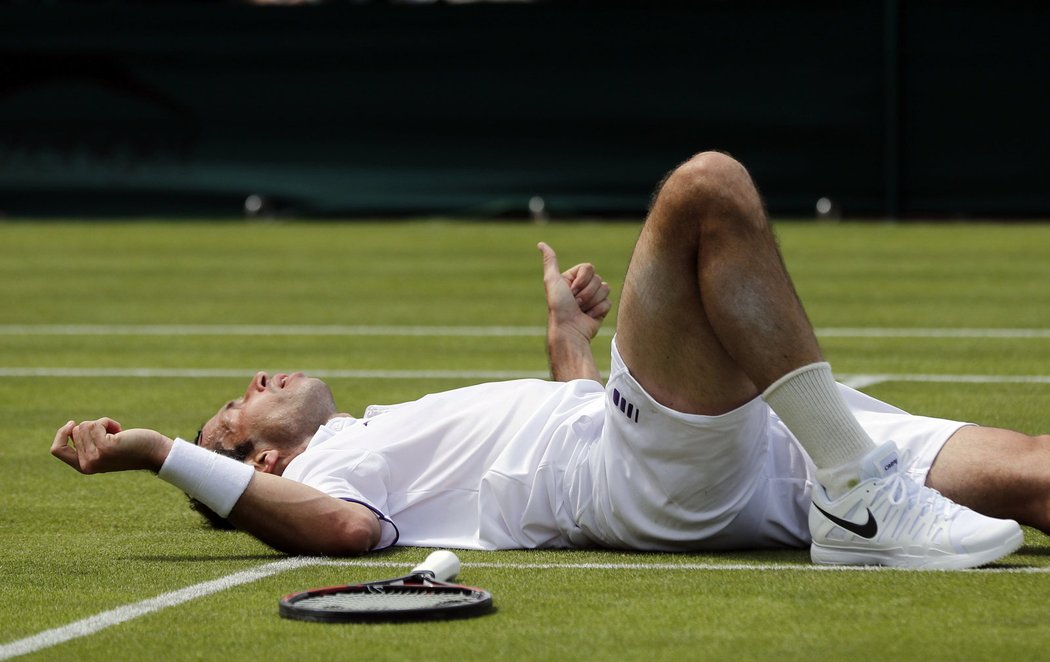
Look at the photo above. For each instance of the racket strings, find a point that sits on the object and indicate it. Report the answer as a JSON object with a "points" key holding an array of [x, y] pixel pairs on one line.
{"points": [[389, 598]]}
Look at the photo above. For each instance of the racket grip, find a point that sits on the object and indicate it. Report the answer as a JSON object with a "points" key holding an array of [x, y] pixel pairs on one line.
{"points": [[442, 564]]}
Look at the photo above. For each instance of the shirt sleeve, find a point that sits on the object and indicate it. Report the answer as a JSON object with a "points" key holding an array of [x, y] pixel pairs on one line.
{"points": [[353, 474]]}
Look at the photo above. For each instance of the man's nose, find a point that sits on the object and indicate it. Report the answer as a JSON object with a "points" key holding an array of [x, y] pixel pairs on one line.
{"points": [[257, 384]]}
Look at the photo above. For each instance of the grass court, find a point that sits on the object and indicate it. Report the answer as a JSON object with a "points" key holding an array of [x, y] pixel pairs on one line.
{"points": [[157, 323]]}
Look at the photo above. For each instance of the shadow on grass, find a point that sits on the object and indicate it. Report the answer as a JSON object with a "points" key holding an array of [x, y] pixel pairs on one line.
{"points": [[197, 558], [1033, 550], [272, 556]]}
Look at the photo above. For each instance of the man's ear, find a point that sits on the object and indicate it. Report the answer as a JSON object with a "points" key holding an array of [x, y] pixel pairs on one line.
{"points": [[266, 460]]}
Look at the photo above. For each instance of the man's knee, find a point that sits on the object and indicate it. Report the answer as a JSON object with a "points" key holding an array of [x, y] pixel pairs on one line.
{"points": [[711, 185], [1039, 446], [1000, 473]]}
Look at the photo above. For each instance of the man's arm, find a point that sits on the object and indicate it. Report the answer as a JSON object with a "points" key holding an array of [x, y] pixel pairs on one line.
{"points": [[284, 514], [299, 519], [577, 302]]}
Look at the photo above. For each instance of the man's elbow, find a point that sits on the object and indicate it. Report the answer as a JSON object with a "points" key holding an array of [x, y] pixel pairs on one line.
{"points": [[337, 539], [354, 531], [357, 537], [337, 534]]}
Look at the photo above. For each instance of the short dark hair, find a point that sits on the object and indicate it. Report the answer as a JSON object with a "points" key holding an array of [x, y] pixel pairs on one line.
{"points": [[240, 452]]}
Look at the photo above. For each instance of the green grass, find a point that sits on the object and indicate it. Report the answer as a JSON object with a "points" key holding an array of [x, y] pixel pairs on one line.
{"points": [[75, 546]]}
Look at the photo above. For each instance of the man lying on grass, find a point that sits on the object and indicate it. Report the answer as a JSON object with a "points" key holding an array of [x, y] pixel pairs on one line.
{"points": [[720, 427]]}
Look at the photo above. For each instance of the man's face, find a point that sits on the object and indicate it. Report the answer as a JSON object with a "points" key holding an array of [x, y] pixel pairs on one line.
{"points": [[275, 412]]}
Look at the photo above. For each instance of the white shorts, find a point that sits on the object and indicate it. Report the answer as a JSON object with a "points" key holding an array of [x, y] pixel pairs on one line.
{"points": [[661, 480]]}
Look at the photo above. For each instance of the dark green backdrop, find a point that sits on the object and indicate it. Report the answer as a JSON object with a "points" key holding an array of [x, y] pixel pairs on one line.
{"points": [[889, 108]]}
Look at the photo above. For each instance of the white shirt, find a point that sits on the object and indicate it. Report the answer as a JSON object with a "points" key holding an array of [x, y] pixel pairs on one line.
{"points": [[479, 467]]}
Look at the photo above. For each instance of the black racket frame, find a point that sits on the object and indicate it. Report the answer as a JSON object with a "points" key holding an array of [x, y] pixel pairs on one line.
{"points": [[422, 581]]}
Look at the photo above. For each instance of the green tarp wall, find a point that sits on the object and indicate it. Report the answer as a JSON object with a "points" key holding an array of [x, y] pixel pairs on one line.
{"points": [[895, 109]]}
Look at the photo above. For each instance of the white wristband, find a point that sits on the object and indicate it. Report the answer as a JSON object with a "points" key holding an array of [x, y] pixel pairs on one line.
{"points": [[215, 480]]}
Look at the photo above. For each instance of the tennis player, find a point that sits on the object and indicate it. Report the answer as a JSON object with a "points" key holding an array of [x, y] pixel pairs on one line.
{"points": [[720, 427]]}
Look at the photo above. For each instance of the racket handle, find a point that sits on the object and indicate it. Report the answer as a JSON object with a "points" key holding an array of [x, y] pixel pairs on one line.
{"points": [[442, 564]]}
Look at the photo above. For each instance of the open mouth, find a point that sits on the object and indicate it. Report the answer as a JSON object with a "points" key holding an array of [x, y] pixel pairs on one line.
{"points": [[282, 380]]}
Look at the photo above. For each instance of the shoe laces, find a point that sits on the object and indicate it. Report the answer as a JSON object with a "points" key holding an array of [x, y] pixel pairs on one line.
{"points": [[919, 503]]}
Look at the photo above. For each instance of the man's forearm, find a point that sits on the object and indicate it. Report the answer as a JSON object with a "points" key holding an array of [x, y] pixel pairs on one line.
{"points": [[298, 519], [570, 357], [284, 514]]}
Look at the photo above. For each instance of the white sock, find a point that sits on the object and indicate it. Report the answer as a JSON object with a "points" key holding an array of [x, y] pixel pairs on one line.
{"points": [[808, 401]]}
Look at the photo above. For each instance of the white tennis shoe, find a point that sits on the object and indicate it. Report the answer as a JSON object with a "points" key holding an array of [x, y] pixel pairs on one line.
{"points": [[890, 520]]}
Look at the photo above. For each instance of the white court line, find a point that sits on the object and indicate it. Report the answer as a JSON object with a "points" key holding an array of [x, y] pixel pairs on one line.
{"points": [[454, 331], [263, 330], [92, 624], [702, 567], [210, 373], [858, 381], [857, 332]]}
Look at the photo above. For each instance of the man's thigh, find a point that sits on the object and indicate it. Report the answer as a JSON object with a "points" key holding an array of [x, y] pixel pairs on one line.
{"points": [[662, 328]]}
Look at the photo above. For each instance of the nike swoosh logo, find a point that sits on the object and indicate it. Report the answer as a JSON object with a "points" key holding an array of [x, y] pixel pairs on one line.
{"points": [[867, 530]]}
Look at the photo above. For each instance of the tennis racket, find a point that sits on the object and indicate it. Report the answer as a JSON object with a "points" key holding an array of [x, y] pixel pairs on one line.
{"points": [[422, 595]]}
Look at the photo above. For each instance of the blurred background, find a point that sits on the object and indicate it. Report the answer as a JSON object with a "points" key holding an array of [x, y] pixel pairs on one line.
{"points": [[873, 109]]}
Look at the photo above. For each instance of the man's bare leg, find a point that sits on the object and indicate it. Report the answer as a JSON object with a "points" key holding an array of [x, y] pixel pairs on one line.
{"points": [[1000, 473], [709, 319]]}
